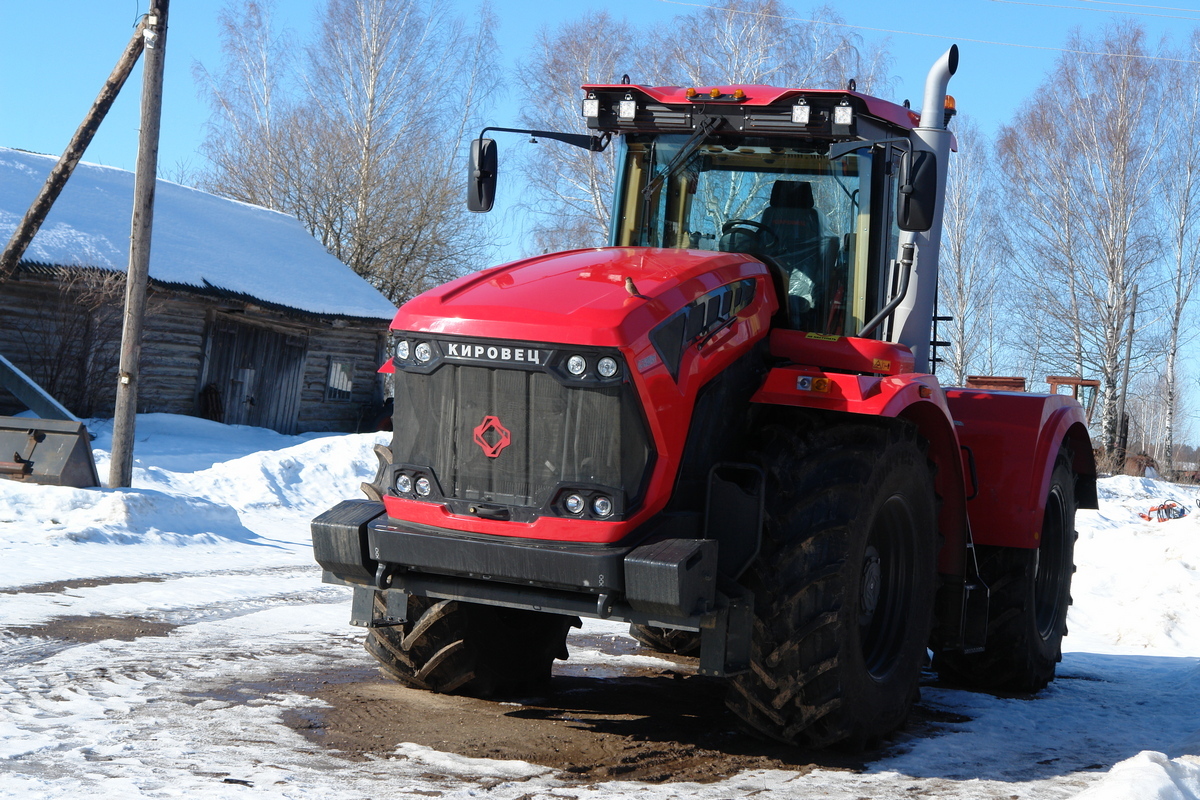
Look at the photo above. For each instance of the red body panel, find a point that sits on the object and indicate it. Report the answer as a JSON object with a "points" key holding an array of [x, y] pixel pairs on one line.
{"points": [[1015, 438], [581, 297]]}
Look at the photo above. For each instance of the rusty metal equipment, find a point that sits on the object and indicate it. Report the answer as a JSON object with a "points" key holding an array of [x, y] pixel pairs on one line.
{"points": [[49, 451], [1001, 383], [1088, 387]]}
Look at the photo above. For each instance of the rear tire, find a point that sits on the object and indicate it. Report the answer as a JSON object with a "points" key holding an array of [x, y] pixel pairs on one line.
{"points": [[463, 648], [843, 586], [1030, 595]]}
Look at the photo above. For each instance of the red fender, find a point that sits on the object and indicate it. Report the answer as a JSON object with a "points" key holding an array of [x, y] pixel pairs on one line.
{"points": [[1015, 438]]}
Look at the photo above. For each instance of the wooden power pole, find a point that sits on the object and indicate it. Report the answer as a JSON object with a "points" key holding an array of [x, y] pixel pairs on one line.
{"points": [[1122, 427], [37, 212], [155, 33]]}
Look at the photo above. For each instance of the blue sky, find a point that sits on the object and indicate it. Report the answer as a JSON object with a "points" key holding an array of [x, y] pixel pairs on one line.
{"points": [[52, 64]]}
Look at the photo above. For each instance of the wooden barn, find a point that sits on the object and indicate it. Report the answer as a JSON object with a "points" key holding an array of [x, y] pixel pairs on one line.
{"points": [[249, 320]]}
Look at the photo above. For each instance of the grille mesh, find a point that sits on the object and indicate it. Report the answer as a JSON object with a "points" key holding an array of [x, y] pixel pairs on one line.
{"points": [[576, 435]]}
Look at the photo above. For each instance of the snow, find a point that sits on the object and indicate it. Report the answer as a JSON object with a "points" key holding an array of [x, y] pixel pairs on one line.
{"points": [[198, 240], [214, 536]]}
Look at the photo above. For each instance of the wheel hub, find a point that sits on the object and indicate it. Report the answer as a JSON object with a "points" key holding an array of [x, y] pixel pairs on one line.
{"points": [[872, 580]]}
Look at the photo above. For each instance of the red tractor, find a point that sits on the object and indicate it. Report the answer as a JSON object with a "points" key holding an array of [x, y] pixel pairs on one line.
{"points": [[722, 429]]}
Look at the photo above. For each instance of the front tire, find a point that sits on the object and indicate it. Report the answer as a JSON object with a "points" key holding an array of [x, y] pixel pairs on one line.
{"points": [[1030, 595], [463, 648], [843, 586]]}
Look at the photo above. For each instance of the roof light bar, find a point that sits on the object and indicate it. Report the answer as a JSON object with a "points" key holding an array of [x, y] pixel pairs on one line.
{"points": [[801, 113]]}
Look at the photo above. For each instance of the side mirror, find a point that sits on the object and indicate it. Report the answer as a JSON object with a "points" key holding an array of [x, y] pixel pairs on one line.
{"points": [[481, 176], [917, 197]]}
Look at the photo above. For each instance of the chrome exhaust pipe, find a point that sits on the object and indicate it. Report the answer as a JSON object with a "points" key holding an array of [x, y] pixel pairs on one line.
{"points": [[933, 109]]}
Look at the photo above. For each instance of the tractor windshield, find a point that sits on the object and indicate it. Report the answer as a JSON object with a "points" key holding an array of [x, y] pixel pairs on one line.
{"points": [[769, 198]]}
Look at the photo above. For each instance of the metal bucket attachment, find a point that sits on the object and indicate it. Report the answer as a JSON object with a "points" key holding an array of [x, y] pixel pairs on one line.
{"points": [[50, 451]]}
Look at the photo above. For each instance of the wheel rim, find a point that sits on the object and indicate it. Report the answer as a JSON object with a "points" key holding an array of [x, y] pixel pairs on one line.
{"points": [[1048, 568], [886, 584]]}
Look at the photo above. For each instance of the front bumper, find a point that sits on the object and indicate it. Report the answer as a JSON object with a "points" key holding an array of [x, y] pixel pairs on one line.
{"points": [[664, 581]]}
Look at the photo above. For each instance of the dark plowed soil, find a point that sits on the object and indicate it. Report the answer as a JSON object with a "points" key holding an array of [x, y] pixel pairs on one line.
{"points": [[647, 727], [57, 587], [84, 630]]}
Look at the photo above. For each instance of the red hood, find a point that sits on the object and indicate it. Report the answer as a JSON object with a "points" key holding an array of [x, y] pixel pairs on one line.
{"points": [[575, 297]]}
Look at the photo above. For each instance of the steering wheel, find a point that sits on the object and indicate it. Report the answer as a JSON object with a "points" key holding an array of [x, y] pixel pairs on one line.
{"points": [[772, 238]]}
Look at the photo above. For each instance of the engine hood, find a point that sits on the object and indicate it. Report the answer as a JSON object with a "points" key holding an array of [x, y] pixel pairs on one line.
{"points": [[607, 296]]}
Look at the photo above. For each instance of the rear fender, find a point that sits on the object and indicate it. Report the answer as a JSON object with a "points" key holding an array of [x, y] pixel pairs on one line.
{"points": [[916, 398], [1015, 439]]}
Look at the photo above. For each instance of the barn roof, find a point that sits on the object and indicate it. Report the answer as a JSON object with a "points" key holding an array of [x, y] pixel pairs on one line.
{"points": [[200, 240]]}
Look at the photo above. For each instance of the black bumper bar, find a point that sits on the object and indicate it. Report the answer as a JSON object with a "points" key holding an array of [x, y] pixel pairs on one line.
{"points": [[671, 582]]}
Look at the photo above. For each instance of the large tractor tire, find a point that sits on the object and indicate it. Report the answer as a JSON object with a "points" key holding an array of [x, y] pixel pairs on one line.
{"points": [[1030, 595], [843, 586], [464, 648], [666, 640]]}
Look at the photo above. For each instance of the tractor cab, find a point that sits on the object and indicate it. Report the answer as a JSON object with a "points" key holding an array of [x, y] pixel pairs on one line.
{"points": [[809, 182]]}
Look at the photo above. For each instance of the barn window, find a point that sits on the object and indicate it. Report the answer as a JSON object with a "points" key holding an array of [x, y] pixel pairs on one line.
{"points": [[340, 381]]}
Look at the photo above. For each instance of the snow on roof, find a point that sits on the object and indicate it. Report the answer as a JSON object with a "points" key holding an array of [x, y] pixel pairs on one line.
{"points": [[199, 239]]}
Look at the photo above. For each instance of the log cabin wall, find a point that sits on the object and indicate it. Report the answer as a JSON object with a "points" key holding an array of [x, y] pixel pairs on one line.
{"points": [[269, 367]]}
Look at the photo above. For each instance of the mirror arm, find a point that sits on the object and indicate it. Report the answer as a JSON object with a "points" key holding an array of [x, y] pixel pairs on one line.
{"points": [[839, 149], [595, 144]]}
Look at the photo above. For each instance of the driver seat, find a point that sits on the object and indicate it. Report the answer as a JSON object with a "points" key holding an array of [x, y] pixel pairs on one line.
{"points": [[793, 217]]}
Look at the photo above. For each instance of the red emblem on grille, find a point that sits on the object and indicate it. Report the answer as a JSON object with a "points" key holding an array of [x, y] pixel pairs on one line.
{"points": [[492, 436]]}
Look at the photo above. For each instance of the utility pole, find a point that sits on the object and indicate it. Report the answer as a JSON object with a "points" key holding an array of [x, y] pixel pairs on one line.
{"points": [[155, 33], [1122, 427], [37, 212]]}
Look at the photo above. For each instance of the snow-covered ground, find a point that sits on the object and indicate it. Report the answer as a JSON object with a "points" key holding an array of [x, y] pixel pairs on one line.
{"points": [[214, 539]]}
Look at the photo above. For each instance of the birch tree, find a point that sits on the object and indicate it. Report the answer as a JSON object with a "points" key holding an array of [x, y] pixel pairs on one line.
{"points": [[967, 270], [359, 133], [1179, 179], [1080, 167], [744, 41]]}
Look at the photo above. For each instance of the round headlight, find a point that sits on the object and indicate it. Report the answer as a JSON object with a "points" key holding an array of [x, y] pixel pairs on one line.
{"points": [[402, 350], [574, 503], [576, 365], [424, 352], [602, 506], [607, 367], [424, 487], [404, 483]]}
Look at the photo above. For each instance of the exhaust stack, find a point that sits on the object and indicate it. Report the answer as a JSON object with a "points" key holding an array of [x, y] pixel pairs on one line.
{"points": [[913, 325]]}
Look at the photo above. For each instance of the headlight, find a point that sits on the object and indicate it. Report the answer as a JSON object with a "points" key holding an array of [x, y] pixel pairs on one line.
{"points": [[402, 350], [574, 503], [607, 367], [424, 352], [576, 365], [424, 487], [404, 483], [602, 506]]}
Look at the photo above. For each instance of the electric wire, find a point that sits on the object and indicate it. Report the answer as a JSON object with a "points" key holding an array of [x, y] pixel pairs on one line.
{"points": [[1101, 10], [899, 32]]}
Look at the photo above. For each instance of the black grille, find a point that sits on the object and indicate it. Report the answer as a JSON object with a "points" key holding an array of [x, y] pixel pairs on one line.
{"points": [[560, 435]]}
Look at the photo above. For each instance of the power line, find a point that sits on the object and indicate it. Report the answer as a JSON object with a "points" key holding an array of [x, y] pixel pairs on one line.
{"points": [[1141, 5], [1101, 10], [933, 35]]}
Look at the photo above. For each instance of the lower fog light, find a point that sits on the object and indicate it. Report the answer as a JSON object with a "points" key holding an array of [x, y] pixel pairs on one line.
{"points": [[602, 506]]}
